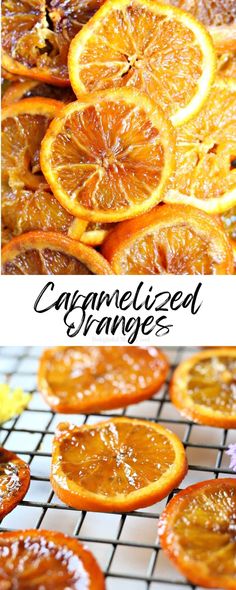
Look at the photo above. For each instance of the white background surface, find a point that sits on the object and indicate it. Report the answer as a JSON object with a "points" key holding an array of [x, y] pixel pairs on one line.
{"points": [[215, 324]]}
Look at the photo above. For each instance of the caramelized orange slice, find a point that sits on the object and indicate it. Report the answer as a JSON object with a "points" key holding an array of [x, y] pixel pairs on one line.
{"points": [[203, 387], [92, 378], [219, 16], [44, 253], [92, 234], [117, 465], [226, 64], [29, 88], [47, 560], [205, 174], [197, 531], [170, 240], [36, 35], [14, 481], [147, 45], [107, 156]]}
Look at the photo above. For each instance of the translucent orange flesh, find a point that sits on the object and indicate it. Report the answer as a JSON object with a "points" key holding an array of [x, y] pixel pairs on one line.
{"points": [[9, 479], [227, 64], [209, 12], [101, 373], [212, 383], [27, 210], [169, 250], [44, 262], [21, 140], [37, 33], [137, 48], [229, 220], [108, 156], [36, 562], [115, 459], [206, 149], [204, 530]]}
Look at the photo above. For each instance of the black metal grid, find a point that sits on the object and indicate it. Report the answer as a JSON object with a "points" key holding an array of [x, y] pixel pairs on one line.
{"points": [[126, 546]]}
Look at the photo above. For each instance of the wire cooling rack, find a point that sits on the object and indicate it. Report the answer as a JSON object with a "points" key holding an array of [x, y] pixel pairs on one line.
{"points": [[126, 546]]}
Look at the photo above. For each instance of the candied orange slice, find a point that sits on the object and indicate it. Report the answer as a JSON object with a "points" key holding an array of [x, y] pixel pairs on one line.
{"points": [[197, 531], [205, 174], [116, 466], [147, 45], [36, 35], [170, 240], [48, 560], [44, 253], [23, 127], [107, 156], [18, 90], [203, 387], [14, 481], [219, 16], [92, 378]]}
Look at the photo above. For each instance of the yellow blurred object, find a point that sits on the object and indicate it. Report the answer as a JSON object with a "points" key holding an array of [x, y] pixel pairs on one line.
{"points": [[12, 402]]}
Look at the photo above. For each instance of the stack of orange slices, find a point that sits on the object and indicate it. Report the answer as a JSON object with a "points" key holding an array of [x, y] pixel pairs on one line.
{"points": [[142, 157]]}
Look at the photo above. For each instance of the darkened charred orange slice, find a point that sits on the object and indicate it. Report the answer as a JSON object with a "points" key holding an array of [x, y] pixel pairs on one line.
{"points": [[45, 253], [170, 239], [30, 88], [47, 560], [203, 387], [14, 481], [197, 531], [116, 466], [36, 35], [80, 379]]}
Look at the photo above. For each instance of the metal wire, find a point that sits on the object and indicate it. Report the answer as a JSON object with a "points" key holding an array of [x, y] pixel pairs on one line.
{"points": [[126, 545]]}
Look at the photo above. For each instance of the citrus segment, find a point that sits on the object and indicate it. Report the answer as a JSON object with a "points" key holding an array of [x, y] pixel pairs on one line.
{"points": [[205, 174], [14, 481], [169, 240], [39, 253], [203, 387], [36, 35], [84, 379], [117, 465], [107, 156], [94, 234], [150, 46], [197, 530], [39, 559], [29, 88]]}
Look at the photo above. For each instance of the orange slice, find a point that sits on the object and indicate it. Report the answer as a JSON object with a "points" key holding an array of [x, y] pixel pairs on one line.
{"points": [[205, 174], [89, 379], [149, 46], [23, 127], [27, 202], [40, 253], [18, 90], [47, 560], [116, 466], [229, 222], [108, 156], [36, 35], [170, 240], [219, 16], [14, 481], [203, 387], [197, 531]]}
